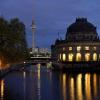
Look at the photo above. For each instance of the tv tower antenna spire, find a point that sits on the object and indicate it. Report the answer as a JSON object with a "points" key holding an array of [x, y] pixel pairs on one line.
{"points": [[33, 26]]}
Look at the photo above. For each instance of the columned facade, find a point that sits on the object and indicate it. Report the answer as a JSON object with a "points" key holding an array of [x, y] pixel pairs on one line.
{"points": [[78, 52], [82, 43]]}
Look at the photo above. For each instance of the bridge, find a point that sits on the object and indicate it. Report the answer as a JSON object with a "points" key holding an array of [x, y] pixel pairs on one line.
{"points": [[40, 55], [42, 59]]}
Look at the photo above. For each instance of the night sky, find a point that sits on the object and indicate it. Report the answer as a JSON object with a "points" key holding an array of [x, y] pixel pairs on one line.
{"points": [[50, 16]]}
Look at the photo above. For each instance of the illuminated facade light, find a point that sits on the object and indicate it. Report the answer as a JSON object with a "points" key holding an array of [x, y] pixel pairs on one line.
{"points": [[78, 57], [87, 57], [94, 48], [81, 44], [64, 49], [64, 57], [70, 48], [78, 48], [87, 48], [94, 57], [70, 57]]}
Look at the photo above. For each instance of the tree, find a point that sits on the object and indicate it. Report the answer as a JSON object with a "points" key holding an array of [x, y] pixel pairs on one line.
{"points": [[13, 46]]}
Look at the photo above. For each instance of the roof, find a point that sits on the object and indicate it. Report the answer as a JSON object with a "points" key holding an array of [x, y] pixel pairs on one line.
{"points": [[81, 25]]}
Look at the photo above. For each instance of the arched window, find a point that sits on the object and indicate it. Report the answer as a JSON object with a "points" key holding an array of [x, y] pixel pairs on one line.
{"points": [[78, 48], [70, 48], [87, 48], [70, 57], [78, 57], [64, 57], [87, 57], [94, 57]]}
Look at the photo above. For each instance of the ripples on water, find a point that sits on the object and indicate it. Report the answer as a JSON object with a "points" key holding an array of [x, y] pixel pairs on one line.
{"points": [[39, 83]]}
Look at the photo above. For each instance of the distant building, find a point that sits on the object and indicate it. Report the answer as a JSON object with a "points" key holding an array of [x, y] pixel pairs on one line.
{"points": [[40, 52], [81, 43]]}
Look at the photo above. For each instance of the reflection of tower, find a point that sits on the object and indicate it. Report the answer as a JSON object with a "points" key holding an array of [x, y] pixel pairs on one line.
{"points": [[33, 37]]}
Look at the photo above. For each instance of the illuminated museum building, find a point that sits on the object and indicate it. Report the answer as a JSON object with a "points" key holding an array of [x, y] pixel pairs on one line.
{"points": [[81, 43]]}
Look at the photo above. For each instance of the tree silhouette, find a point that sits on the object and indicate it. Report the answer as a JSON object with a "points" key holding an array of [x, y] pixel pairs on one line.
{"points": [[13, 46]]}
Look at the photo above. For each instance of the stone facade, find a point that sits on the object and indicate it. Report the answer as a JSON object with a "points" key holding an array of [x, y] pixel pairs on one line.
{"points": [[81, 43]]}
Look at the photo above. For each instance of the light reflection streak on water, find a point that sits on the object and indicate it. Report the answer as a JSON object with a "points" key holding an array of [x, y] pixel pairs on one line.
{"points": [[2, 89], [70, 85], [24, 83], [79, 87], [72, 89], [87, 87], [0, 63], [64, 86], [95, 84], [39, 82], [50, 76], [24, 75]]}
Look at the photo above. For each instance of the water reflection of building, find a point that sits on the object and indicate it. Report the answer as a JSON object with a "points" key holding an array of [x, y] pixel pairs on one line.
{"points": [[39, 82], [2, 84], [81, 43], [80, 86]]}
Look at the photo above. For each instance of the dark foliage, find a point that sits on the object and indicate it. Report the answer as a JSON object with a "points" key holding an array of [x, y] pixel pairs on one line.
{"points": [[13, 46]]}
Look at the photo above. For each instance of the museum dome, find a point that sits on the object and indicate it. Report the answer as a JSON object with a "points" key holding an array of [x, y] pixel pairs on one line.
{"points": [[81, 30], [81, 25]]}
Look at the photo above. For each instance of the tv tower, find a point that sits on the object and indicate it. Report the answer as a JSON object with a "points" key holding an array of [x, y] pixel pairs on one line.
{"points": [[33, 36]]}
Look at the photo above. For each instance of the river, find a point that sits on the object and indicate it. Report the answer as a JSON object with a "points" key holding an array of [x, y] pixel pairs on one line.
{"points": [[38, 82]]}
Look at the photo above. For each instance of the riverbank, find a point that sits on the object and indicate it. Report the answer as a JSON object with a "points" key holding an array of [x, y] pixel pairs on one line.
{"points": [[74, 67], [12, 67]]}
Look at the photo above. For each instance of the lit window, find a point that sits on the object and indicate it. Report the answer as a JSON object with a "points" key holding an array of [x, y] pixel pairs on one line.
{"points": [[78, 57], [70, 57], [87, 57], [94, 57], [63, 48], [78, 48], [70, 48], [94, 48], [87, 48], [64, 57]]}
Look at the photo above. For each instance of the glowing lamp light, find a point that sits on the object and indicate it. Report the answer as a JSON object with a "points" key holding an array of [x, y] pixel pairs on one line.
{"points": [[78, 57], [95, 57], [64, 57], [78, 48], [70, 48], [70, 57], [24, 62], [0, 62], [87, 57], [87, 48]]}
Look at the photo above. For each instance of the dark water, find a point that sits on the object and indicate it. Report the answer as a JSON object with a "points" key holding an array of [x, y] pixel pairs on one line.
{"points": [[39, 83]]}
